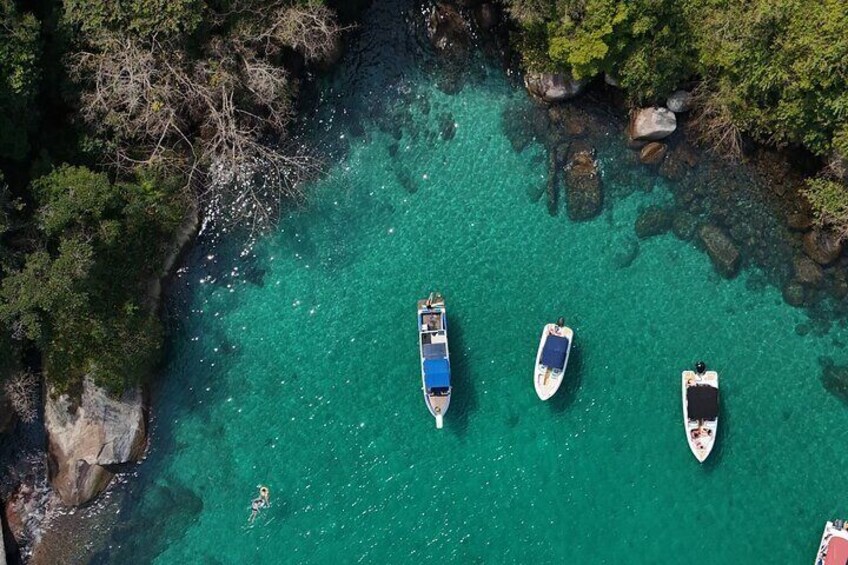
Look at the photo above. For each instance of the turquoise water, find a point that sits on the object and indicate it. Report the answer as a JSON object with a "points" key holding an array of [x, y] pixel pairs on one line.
{"points": [[295, 365]]}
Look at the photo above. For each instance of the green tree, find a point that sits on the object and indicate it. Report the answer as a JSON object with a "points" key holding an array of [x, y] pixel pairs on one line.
{"points": [[20, 75], [82, 296]]}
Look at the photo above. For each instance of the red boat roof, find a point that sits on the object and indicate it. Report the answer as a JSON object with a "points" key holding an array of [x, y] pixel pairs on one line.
{"points": [[837, 552]]}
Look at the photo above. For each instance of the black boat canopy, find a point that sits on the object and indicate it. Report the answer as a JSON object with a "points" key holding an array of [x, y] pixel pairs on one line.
{"points": [[702, 402]]}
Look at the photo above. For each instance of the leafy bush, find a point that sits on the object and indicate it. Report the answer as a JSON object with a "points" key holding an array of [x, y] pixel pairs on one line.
{"points": [[778, 69], [82, 295], [829, 200]]}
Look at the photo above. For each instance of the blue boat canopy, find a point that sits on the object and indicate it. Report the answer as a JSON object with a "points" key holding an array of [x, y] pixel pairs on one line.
{"points": [[436, 373], [553, 354]]}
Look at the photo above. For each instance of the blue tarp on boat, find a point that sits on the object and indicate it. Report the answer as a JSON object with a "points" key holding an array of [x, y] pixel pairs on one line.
{"points": [[436, 373], [553, 354]]}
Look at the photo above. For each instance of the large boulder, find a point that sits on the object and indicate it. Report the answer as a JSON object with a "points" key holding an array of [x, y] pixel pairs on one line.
{"points": [[679, 101], [584, 193], [721, 249], [553, 87], [86, 439], [651, 124], [447, 29], [822, 247]]}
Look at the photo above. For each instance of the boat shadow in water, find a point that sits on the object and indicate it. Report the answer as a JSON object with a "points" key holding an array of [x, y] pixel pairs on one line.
{"points": [[463, 394], [573, 378]]}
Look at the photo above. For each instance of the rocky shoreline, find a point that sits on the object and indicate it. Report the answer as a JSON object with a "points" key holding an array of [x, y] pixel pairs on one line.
{"points": [[90, 436], [747, 216]]}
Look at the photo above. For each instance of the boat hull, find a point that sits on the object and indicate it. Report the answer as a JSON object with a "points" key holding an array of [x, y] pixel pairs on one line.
{"points": [[545, 379], [432, 319], [833, 548], [700, 434]]}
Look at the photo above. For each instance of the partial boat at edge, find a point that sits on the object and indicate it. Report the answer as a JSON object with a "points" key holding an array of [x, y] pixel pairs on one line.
{"points": [[700, 410], [552, 358], [833, 548], [435, 356]]}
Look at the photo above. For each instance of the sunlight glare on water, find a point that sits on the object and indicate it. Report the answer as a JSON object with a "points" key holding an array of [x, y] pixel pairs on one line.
{"points": [[296, 366]]}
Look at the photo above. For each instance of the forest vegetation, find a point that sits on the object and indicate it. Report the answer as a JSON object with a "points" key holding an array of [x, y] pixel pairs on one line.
{"points": [[773, 70], [117, 120]]}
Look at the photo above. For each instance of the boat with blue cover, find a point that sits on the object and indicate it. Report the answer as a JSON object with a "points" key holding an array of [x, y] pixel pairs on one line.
{"points": [[552, 358], [435, 356]]}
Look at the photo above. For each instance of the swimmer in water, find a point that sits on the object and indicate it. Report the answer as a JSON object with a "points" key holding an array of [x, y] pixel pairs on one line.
{"points": [[257, 504]]}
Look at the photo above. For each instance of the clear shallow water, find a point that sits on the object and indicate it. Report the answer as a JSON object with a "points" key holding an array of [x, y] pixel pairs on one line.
{"points": [[296, 366]]}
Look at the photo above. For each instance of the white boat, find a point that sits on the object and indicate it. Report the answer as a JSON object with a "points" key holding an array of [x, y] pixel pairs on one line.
{"points": [[700, 410], [833, 548], [435, 356], [552, 358]]}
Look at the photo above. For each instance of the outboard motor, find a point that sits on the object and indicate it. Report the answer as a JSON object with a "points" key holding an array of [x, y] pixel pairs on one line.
{"points": [[560, 321], [700, 367]]}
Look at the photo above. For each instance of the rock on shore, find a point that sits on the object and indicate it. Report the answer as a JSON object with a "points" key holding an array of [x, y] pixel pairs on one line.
{"points": [[553, 87], [721, 249], [651, 124], [679, 101], [85, 440], [822, 247]]}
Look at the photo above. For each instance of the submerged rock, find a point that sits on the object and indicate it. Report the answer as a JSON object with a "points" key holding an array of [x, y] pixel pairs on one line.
{"points": [[523, 123], [653, 220], [625, 253], [794, 294], [651, 124], [684, 225], [86, 439], [721, 249], [653, 153], [807, 271], [678, 162], [679, 101], [584, 193], [447, 29], [834, 378], [553, 87], [822, 247]]}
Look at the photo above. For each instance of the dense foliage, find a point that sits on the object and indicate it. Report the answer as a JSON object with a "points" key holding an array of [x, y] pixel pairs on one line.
{"points": [[776, 70], [148, 108], [19, 79]]}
